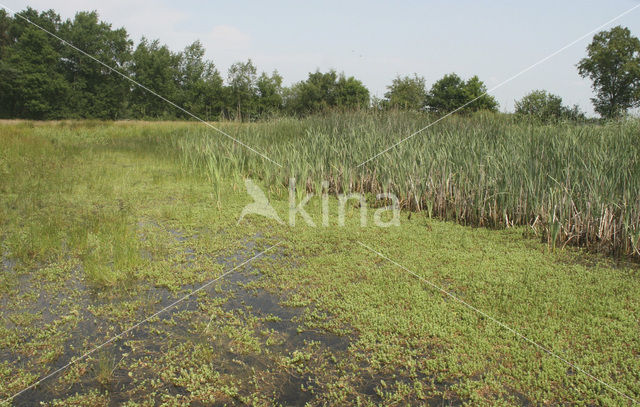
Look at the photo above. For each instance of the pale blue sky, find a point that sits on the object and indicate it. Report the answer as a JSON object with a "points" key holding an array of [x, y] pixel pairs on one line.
{"points": [[377, 40]]}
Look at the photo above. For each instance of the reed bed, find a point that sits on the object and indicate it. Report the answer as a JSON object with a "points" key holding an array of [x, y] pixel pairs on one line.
{"points": [[571, 183]]}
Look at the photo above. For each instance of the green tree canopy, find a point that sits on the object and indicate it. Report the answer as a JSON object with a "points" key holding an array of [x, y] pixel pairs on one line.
{"points": [[323, 91], [32, 84], [452, 92], [96, 91], [544, 106], [351, 93], [318, 92], [613, 65], [157, 68], [201, 86], [270, 91], [408, 92], [243, 91], [5, 25]]}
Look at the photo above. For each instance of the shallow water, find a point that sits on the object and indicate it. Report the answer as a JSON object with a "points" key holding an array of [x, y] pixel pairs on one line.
{"points": [[237, 294]]}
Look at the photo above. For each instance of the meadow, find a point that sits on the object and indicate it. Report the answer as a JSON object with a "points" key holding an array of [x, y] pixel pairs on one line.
{"points": [[105, 223]]}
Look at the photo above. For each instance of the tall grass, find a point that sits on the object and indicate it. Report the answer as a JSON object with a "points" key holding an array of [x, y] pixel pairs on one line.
{"points": [[56, 203], [572, 183]]}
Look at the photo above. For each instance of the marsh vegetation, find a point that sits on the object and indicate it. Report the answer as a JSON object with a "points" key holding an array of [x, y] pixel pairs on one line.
{"points": [[104, 224], [570, 183]]}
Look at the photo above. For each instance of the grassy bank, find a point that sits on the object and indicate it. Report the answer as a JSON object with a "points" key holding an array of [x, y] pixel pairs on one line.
{"points": [[105, 224]]}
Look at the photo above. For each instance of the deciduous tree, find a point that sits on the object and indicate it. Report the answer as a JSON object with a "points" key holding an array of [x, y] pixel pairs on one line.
{"points": [[97, 92], [452, 92], [201, 86], [242, 78], [544, 106], [407, 92], [32, 84], [613, 65], [157, 68], [269, 93]]}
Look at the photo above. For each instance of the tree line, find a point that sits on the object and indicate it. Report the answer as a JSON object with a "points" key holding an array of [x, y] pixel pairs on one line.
{"points": [[42, 78]]}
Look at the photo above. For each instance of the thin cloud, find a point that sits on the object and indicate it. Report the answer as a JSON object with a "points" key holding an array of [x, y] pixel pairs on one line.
{"points": [[227, 38]]}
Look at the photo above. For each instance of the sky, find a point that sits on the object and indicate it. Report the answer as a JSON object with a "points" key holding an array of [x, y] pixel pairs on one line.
{"points": [[375, 41]]}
